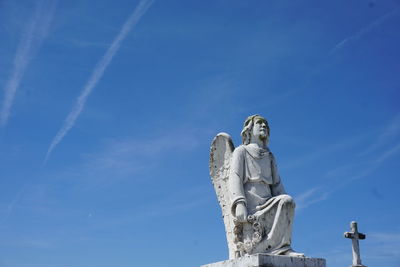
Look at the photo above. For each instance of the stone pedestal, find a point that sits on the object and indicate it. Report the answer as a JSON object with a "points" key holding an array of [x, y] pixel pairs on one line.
{"points": [[266, 260]]}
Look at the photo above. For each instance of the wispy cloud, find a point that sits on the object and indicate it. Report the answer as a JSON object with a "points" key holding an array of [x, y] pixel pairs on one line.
{"points": [[365, 30], [390, 131], [311, 196], [321, 193], [13, 203], [325, 151], [373, 157], [351, 172], [388, 153], [382, 246], [97, 73], [33, 35], [123, 157], [189, 199], [118, 159]]}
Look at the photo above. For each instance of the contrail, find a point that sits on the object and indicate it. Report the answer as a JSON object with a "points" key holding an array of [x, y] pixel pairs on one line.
{"points": [[12, 204], [36, 30], [97, 73], [365, 30]]}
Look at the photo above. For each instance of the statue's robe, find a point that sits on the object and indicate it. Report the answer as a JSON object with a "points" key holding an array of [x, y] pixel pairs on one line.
{"points": [[254, 180]]}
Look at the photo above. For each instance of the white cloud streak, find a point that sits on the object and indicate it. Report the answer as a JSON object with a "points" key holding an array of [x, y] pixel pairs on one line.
{"points": [[389, 153], [320, 193], [354, 170], [382, 246], [191, 200], [32, 37], [330, 149], [127, 158], [390, 132], [97, 73], [365, 30], [13, 203], [309, 197]]}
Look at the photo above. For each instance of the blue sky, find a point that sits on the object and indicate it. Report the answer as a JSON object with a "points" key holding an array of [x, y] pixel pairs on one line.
{"points": [[108, 109]]}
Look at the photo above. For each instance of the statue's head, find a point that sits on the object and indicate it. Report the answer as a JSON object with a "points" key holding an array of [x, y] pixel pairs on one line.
{"points": [[255, 126]]}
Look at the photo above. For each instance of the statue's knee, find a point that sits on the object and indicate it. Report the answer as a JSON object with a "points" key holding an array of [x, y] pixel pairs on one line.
{"points": [[288, 199]]}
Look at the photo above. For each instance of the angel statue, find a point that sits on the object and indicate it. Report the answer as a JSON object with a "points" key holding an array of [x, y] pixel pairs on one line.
{"points": [[257, 212]]}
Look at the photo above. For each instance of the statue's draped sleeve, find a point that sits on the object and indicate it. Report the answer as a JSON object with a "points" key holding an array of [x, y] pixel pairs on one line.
{"points": [[277, 187], [236, 178]]}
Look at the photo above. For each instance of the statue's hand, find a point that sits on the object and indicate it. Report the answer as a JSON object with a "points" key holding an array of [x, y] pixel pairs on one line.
{"points": [[241, 212]]}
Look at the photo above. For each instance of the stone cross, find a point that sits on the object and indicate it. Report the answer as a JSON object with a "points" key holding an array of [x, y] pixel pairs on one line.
{"points": [[354, 235]]}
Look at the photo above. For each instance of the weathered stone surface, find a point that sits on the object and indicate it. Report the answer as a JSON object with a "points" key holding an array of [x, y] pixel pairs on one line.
{"points": [[257, 211], [266, 260], [354, 235]]}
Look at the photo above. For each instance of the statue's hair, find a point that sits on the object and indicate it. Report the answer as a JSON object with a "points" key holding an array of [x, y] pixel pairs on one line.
{"points": [[248, 127]]}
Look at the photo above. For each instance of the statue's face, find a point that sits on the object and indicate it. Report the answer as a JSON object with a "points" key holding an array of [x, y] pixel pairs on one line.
{"points": [[260, 129]]}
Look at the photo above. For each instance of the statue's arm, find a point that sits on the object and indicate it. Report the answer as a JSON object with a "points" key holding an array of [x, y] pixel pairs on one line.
{"points": [[236, 180], [277, 187]]}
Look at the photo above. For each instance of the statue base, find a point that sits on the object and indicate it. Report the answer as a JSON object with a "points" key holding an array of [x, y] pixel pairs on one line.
{"points": [[267, 260]]}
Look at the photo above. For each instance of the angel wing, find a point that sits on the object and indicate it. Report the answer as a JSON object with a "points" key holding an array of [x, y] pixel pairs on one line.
{"points": [[220, 156]]}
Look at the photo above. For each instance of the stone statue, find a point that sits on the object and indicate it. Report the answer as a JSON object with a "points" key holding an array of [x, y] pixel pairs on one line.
{"points": [[258, 214]]}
